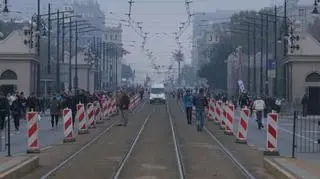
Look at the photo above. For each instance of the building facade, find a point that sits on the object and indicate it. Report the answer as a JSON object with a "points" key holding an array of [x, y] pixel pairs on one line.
{"points": [[18, 66], [113, 37]]}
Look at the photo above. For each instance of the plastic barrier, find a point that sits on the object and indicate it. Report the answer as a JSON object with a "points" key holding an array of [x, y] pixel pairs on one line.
{"points": [[82, 118], [243, 126], [91, 116], [229, 119], [272, 134], [33, 137], [223, 116], [68, 126], [97, 111]]}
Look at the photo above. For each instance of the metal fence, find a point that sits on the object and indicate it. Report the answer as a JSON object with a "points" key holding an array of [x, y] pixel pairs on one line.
{"points": [[306, 134]]}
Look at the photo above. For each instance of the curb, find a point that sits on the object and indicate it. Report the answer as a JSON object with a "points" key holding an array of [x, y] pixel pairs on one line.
{"points": [[276, 170], [21, 169]]}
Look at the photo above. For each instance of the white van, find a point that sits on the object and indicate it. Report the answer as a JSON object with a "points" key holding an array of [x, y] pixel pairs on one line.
{"points": [[157, 94]]}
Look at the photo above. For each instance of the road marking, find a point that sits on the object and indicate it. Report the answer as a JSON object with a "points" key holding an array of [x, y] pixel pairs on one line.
{"points": [[312, 131], [298, 135]]}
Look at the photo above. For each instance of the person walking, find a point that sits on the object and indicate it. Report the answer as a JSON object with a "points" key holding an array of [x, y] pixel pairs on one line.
{"points": [[124, 107], [54, 112], [4, 109], [259, 106], [200, 102], [15, 112], [188, 103]]}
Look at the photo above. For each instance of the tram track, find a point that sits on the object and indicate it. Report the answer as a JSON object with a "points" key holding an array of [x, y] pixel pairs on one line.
{"points": [[148, 137], [51, 173], [220, 151]]}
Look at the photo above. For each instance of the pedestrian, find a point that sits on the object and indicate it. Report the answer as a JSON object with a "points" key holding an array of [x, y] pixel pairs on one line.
{"points": [[259, 106], [54, 112], [124, 108], [188, 103], [4, 109], [15, 112], [200, 102]]}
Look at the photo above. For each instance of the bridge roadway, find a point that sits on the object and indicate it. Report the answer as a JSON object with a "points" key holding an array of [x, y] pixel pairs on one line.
{"points": [[157, 143]]}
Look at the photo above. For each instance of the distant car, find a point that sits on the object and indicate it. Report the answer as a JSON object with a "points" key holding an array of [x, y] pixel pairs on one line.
{"points": [[157, 94]]}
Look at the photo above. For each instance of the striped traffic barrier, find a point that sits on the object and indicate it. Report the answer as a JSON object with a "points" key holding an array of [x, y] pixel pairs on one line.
{"points": [[33, 137], [217, 115], [272, 134], [104, 111], [211, 110], [193, 117], [68, 126], [223, 116], [91, 116], [243, 126], [229, 119], [82, 119], [97, 111]]}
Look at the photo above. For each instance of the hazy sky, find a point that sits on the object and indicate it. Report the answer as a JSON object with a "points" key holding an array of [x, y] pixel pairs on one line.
{"points": [[164, 16]]}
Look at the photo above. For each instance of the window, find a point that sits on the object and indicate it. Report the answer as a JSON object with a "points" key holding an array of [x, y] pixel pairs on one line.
{"points": [[8, 75], [157, 90], [313, 77], [111, 37]]}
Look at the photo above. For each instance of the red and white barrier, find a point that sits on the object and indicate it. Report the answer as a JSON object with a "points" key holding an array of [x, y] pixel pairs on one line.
{"points": [[211, 109], [82, 119], [272, 134], [243, 126], [223, 116], [218, 112], [98, 115], [229, 119], [104, 112], [91, 116], [68, 126], [33, 137]]}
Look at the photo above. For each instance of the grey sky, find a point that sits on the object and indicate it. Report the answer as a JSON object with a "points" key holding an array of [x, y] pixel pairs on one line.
{"points": [[164, 16]]}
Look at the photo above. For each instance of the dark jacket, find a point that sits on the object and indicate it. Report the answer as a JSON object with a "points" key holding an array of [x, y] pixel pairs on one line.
{"points": [[4, 105], [124, 102], [200, 102]]}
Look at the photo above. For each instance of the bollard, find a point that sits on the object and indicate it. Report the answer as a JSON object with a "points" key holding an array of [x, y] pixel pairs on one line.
{"points": [[217, 113], [68, 127], [82, 118], [33, 137], [98, 117], [272, 135], [91, 116], [243, 126], [229, 119], [223, 116]]}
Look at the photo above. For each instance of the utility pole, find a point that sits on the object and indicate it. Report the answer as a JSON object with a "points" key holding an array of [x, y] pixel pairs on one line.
{"points": [[103, 64], [249, 78], [261, 57], [267, 58], [58, 55], [49, 38], [38, 48], [254, 60], [70, 53], [276, 83], [76, 58]]}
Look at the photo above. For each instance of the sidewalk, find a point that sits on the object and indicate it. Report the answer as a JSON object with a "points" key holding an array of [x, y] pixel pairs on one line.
{"points": [[291, 168], [17, 166]]}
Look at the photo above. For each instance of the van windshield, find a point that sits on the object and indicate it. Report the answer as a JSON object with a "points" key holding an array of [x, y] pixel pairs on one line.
{"points": [[157, 90]]}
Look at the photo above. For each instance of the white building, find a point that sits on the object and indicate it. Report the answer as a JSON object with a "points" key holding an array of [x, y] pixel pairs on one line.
{"points": [[113, 36], [18, 66]]}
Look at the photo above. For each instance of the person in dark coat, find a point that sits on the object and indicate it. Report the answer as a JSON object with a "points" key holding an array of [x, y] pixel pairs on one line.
{"points": [[124, 107], [4, 109], [54, 112], [15, 112]]}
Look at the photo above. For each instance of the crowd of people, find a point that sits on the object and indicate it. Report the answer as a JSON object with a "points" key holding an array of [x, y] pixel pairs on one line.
{"points": [[17, 105]]}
